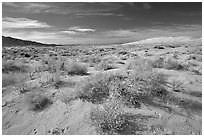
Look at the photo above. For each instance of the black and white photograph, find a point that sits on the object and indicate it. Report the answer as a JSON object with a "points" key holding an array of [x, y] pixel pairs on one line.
{"points": [[101, 68]]}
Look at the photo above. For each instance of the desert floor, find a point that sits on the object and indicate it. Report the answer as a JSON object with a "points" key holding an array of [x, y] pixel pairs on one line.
{"points": [[179, 112]]}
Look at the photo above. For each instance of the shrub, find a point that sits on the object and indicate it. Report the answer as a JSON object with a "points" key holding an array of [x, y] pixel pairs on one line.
{"points": [[177, 86], [108, 118], [91, 60], [157, 63], [11, 79], [141, 80], [37, 101], [51, 64], [104, 66], [138, 63], [14, 67], [8, 79], [95, 88], [173, 64], [146, 81], [75, 68], [24, 87]]}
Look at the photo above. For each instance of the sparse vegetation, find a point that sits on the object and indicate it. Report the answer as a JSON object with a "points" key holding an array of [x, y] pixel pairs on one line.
{"points": [[104, 66], [157, 63], [126, 100], [108, 118], [129, 87], [177, 86], [75, 68], [14, 67], [11, 79], [174, 64], [36, 101]]}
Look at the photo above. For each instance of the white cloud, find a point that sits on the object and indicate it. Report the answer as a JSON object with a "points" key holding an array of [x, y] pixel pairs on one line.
{"points": [[80, 29], [8, 23], [68, 32]]}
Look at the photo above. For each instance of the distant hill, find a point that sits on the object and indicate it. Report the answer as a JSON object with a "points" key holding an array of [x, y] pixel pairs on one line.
{"points": [[167, 40], [9, 41]]}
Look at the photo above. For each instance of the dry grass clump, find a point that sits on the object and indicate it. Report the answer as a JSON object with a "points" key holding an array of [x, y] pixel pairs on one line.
{"points": [[75, 68], [177, 85], [175, 65], [141, 80], [146, 81], [95, 89], [167, 64], [108, 118], [52, 64], [14, 67], [37, 101], [138, 63], [11, 79], [91, 60], [157, 63], [104, 66]]}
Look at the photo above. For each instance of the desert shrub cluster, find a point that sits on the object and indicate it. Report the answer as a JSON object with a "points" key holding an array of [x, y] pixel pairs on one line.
{"points": [[114, 90], [13, 72], [175, 65], [11, 79], [91, 60], [141, 79], [74, 68], [37, 100], [109, 118], [167, 64], [14, 67], [104, 66]]}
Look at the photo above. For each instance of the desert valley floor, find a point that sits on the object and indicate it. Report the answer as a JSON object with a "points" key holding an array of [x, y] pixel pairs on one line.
{"points": [[126, 89]]}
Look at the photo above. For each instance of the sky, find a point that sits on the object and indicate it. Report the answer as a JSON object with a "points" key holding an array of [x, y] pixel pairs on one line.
{"points": [[100, 22]]}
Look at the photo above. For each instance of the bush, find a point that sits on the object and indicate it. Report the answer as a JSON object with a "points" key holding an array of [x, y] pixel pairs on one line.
{"points": [[51, 64], [11, 79], [129, 87], [108, 118], [173, 64], [157, 63], [146, 81], [94, 89], [14, 67], [177, 85], [91, 60], [138, 63], [75, 68], [37, 101], [104, 66]]}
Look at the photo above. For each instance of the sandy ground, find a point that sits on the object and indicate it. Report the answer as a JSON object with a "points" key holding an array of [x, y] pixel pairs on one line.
{"points": [[181, 114]]}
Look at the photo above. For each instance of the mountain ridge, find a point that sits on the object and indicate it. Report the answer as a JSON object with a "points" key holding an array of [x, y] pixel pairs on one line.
{"points": [[9, 41]]}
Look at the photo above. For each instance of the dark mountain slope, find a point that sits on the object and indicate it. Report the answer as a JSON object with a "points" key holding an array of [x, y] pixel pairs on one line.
{"points": [[9, 41]]}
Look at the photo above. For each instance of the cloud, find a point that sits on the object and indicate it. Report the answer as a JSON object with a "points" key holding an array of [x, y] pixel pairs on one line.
{"points": [[63, 8], [26, 7], [68, 32], [99, 14], [11, 23], [80, 29]]}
